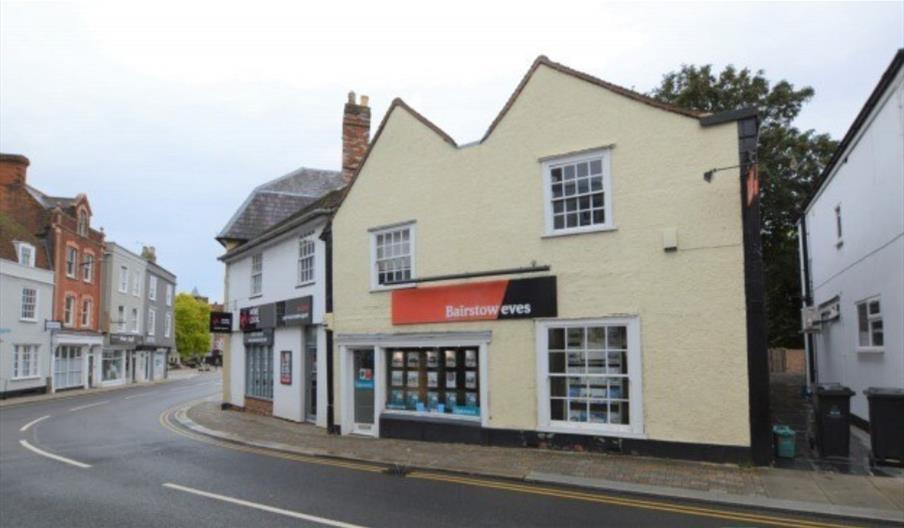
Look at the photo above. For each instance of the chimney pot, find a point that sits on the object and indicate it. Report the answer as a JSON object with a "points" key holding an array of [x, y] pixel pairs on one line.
{"points": [[355, 135], [351, 97], [364, 100]]}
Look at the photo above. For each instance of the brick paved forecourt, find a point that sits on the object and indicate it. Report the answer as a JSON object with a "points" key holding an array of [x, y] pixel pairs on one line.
{"points": [[858, 497]]}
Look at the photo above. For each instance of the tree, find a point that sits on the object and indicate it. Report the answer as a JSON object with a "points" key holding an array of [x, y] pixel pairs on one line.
{"points": [[192, 326], [790, 162]]}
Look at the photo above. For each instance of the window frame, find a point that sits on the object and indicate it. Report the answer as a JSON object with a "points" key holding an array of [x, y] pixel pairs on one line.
{"points": [[169, 294], [34, 367], [257, 272], [411, 226], [259, 362], [86, 308], [604, 154], [136, 321], [306, 241], [136, 283], [123, 279], [152, 321], [69, 311], [168, 324], [88, 267], [870, 319], [122, 323], [30, 261], [34, 306], [152, 287], [635, 429], [839, 225], [71, 261]]}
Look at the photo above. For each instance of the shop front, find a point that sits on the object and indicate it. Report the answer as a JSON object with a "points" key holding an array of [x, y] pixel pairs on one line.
{"points": [[282, 348], [73, 359], [120, 359]]}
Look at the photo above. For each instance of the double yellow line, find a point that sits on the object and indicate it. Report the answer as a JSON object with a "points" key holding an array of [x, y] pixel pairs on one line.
{"points": [[770, 520]]}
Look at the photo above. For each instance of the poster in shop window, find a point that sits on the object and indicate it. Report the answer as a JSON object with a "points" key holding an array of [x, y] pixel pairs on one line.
{"points": [[398, 359], [432, 380], [451, 359], [285, 367]]}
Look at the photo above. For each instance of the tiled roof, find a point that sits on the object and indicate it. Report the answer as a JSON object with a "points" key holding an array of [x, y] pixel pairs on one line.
{"points": [[274, 201], [11, 231]]}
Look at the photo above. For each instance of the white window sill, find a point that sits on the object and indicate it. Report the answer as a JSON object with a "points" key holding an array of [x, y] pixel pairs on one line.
{"points": [[304, 284], [870, 350], [579, 231], [255, 296], [390, 287], [582, 429], [25, 378], [24, 320]]}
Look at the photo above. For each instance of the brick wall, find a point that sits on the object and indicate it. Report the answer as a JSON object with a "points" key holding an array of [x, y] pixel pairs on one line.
{"points": [[256, 406], [787, 360], [355, 135]]}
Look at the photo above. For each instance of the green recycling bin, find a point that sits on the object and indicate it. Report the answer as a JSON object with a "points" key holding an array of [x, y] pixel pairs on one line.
{"points": [[784, 441]]}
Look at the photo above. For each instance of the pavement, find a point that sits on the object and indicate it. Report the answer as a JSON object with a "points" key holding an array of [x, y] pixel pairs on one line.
{"points": [[172, 375], [122, 459], [862, 497]]}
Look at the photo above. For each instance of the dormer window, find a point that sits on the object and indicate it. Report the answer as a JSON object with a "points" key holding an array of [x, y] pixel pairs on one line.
{"points": [[26, 254], [83, 223]]}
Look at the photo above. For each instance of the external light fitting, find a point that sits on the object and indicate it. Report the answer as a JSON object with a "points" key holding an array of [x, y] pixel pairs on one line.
{"points": [[708, 175]]}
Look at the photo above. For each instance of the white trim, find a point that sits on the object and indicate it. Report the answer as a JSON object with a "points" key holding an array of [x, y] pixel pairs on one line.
{"points": [[34, 317], [88, 267], [123, 274], [548, 163], [152, 321], [411, 226], [635, 376], [152, 287], [69, 250], [31, 259]]}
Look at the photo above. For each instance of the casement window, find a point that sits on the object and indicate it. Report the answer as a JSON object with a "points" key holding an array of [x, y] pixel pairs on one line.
{"points": [[136, 324], [589, 376], [28, 310], [444, 380], [392, 255], [869, 322], [88, 268], [152, 288], [169, 294], [306, 248], [152, 320], [123, 279], [121, 320], [69, 310], [259, 372], [168, 324], [136, 283], [578, 193], [25, 361], [87, 307], [838, 240], [71, 261], [26, 254], [257, 274]]}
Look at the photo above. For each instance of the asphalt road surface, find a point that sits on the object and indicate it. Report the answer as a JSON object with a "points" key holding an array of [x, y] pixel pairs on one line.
{"points": [[117, 459]]}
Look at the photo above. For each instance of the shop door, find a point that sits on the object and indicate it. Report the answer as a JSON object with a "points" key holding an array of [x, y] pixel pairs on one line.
{"points": [[363, 379], [90, 370], [67, 370], [310, 368]]}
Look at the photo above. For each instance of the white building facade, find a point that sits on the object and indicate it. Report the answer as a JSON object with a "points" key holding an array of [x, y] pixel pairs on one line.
{"points": [[123, 318], [852, 252], [26, 303], [278, 345]]}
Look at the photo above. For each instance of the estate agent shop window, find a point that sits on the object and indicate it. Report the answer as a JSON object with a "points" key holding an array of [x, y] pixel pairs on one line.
{"points": [[442, 380]]}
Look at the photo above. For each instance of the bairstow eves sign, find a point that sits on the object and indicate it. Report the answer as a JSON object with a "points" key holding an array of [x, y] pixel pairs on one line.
{"points": [[478, 301]]}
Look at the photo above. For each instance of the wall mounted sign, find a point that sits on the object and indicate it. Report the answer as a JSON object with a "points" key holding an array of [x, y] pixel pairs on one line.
{"points": [[294, 312], [365, 379], [257, 317], [476, 301], [285, 367], [125, 339], [221, 322], [259, 337], [52, 325]]}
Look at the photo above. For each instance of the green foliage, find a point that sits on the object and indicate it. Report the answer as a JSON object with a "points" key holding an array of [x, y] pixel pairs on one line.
{"points": [[192, 326], [784, 188]]}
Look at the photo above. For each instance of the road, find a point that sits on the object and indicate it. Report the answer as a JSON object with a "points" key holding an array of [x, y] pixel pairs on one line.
{"points": [[116, 459]]}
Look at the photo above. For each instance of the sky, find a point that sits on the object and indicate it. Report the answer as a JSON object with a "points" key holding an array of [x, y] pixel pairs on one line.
{"points": [[167, 114]]}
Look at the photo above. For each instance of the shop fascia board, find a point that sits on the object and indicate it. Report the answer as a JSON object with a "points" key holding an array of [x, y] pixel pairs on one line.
{"points": [[415, 339]]}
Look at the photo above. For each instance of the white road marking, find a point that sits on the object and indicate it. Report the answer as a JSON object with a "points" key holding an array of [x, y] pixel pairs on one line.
{"points": [[41, 452], [80, 407], [263, 507], [138, 395], [29, 424]]}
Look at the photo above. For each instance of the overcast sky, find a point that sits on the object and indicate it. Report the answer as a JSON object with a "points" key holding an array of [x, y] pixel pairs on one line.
{"points": [[168, 114]]}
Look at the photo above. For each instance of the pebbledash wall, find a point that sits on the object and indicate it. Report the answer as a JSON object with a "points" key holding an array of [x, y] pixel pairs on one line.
{"points": [[480, 207]]}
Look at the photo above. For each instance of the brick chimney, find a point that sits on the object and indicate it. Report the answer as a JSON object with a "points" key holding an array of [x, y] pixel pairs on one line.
{"points": [[149, 253], [12, 169], [355, 135]]}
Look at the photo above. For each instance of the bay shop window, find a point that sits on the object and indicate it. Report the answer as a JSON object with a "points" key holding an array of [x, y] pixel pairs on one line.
{"points": [[589, 376]]}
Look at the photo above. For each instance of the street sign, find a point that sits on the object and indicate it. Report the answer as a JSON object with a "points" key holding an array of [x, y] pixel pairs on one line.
{"points": [[52, 325]]}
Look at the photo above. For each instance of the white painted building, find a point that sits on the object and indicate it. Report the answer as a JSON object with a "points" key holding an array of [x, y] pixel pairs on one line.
{"points": [[277, 294], [852, 252], [26, 302]]}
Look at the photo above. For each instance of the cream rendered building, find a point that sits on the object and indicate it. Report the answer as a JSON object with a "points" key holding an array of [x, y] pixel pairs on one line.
{"points": [[570, 279]]}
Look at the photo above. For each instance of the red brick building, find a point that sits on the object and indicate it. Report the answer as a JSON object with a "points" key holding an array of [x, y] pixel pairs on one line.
{"points": [[76, 252]]}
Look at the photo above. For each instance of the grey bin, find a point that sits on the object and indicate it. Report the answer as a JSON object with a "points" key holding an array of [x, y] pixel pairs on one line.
{"points": [[886, 424], [833, 420]]}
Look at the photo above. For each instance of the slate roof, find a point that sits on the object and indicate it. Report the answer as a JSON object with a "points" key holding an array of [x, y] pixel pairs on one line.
{"points": [[274, 201], [49, 202], [11, 231]]}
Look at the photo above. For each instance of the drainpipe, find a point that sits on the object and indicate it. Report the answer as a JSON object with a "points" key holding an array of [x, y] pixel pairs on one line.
{"points": [[809, 342]]}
